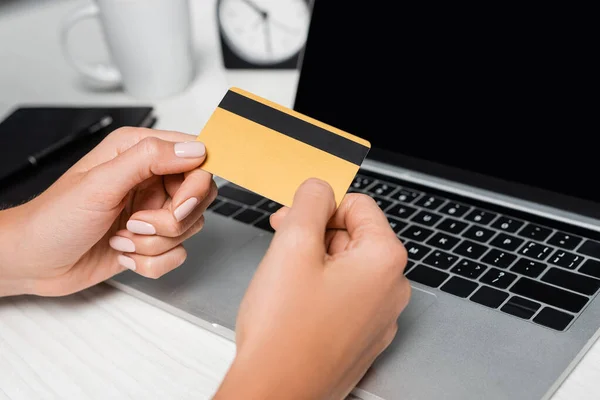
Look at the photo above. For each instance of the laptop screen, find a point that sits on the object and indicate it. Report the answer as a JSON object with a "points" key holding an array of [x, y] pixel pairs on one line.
{"points": [[504, 97]]}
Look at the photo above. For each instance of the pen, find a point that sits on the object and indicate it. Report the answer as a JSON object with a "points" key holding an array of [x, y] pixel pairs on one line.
{"points": [[35, 158]]}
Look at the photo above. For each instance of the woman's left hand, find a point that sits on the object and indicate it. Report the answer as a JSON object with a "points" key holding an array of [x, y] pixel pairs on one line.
{"points": [[129, 203]]}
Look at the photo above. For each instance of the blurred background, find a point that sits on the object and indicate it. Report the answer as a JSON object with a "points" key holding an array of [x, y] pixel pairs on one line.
{"points": [[66, 63], [253, 44]]}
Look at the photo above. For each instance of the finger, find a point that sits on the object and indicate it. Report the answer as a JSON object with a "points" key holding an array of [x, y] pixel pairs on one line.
{"points": [[150, 195], [164, 223], [361, 216], [151, 245], [149, 157], [305, 223], [154, 266], [194, 189], [278, 216], [172, 183], [121, 140], [338, 240]]}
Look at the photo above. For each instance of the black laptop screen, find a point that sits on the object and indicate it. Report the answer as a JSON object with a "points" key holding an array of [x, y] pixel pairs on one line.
{"points": [[503, 91]]}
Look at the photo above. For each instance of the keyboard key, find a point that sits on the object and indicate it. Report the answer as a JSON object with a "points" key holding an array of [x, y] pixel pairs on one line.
{"points": [[507, 224], [590, 248], [528, 267], [489, 297], [478, 233], [264, 224], [469, 269], [499, 258], [227, 209], [416, 251], [590, 267], [551, 295], [381, 202], [427, 276], [248, 216], [455, 209], [470, 249], [507, 242], [405, 195], [459, 287], [535, 232], [498, 278], [361, 182], [401, 211], [565, 259], [440, 259], [554, 319], [520, 307], [396, 224], [426, 218], [409, 265], [564, 240], [452, 226], [430, 202], [240, 195], [382, 189], [417, 233], [535, 250], [215, 204], [269, 206], [443, 241], [480, 216], [570, 280]]}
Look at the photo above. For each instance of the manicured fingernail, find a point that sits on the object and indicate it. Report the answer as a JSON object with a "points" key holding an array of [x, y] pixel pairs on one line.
{"points": [[190, 149], [140, 227], [126, 262], [185, 208], [120, 243]]}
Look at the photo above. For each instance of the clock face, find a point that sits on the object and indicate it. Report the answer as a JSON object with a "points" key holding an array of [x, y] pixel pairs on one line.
{"points": [[264, 31]]}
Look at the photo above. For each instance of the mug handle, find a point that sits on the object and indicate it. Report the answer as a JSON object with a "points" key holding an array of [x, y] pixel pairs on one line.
{"points": [[101, 74]]}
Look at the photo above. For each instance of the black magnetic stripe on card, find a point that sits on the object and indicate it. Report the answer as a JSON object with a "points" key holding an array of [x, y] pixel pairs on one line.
{"points": [[293, 127]]}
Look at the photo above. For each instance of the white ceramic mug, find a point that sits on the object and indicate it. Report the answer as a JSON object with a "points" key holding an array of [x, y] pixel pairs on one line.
{"points": [[149, 42]]}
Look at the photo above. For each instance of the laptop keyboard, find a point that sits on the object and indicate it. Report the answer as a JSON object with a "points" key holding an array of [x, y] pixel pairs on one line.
{"points": [[520, 264]]}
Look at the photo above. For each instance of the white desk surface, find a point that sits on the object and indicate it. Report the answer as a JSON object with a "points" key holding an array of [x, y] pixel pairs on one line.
{"points": [[103, 343]]}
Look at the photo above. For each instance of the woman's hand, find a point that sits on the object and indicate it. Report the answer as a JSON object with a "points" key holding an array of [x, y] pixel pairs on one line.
{"points": [[323, 303], [129, 203]]}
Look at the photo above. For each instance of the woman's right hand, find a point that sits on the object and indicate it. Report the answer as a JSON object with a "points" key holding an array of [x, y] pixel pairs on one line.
{"points": [[323, 303]]}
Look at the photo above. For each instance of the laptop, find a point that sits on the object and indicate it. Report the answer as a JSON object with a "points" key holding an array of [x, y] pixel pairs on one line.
{"points": [[483, 162]]}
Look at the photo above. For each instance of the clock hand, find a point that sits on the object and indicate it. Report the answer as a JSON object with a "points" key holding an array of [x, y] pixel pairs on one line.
{"points": [[268, 40], [256, 8]]}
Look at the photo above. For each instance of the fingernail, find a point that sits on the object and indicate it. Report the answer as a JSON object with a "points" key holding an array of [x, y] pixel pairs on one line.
{"points": [[190, 149], [140, 227], [126, 262], [185, 208], [120, 243]]}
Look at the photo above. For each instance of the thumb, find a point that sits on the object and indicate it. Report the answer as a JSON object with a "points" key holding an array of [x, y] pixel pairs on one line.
{"points": [[306, 220], [150, 156]]}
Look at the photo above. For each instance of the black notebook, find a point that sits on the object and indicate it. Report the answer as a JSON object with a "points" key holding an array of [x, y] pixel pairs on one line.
{"points": [[29, 131]]}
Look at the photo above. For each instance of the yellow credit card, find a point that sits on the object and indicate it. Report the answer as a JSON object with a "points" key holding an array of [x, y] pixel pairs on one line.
{"points": [[270, 149]]}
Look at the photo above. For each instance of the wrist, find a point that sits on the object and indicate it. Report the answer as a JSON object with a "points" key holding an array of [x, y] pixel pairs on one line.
{"points": [[269, 374], [12, 280]]}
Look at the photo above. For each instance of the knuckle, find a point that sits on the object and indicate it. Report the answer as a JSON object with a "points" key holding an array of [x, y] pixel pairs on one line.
{"points": [[124, 131], [213, 191], [404, 294], [389, 335], [150, 246], [395, 257], [149, 146], [151, 268]]}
